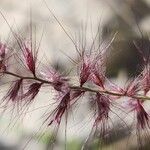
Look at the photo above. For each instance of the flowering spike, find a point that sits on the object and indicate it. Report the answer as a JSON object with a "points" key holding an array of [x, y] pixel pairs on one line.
{"points": [[84, 72], [33, 90], [61, 108], [103, 104], [2, 50], [59, 82], [92, 69], [64, 105], [98, 79], [76, 94], [145, 79], [2, 67], [13, 92], [142, 116], [102, 114], [133, 87], [30, 59]]}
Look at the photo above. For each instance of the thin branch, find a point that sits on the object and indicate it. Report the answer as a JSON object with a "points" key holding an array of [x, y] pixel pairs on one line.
{"points": [[86, 89], [28, 78]]}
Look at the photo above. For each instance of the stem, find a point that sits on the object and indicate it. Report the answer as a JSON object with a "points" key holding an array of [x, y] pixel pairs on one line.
{"points": [[28, 78], [86, 89], [140, 97]]}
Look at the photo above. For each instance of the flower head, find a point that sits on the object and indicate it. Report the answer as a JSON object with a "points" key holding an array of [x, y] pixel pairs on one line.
{"points": [[59, 82], [85, 70], [61, 108], [30, 57], [92, 69], [76, 94], [142, 119], [14, 90], [133, 87], [103, 109], [2, 51], [145, 79], [32, 91], [98, 76], [103, 106], [142, 116], [66, 100]]}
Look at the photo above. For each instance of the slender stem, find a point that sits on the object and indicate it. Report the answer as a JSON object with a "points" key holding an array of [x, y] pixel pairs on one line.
{"points": [[86, 89], [140, 97], [28, 78]]}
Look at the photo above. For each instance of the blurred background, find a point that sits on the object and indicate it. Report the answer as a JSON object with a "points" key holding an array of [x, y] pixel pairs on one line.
{"points": [[130, 19]]}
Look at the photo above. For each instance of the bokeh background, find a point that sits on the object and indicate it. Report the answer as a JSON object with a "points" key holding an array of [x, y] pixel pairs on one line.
{"points": [[130, 19]]}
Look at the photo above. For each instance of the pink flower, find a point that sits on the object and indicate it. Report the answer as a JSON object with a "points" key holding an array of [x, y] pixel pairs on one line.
{"points": [[145, 79], [76, 94], [103, 106], [133, 87], [66, 100], [98, 78], [30, 57], [102, 115], [32, 91], [14, 90], [2, 51], [142, 124], [61, 108], [92, 69], [59, 82], [2, 67], [142, 116], [85, 70], [98, 70]]}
